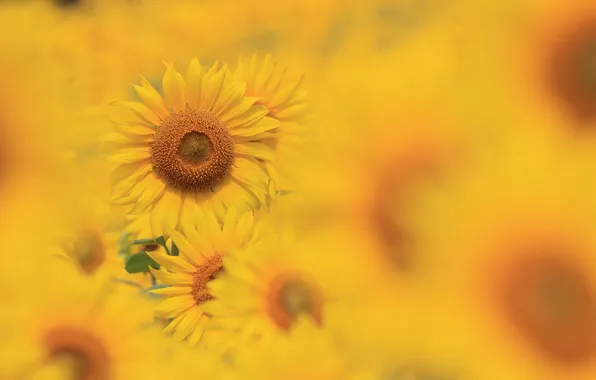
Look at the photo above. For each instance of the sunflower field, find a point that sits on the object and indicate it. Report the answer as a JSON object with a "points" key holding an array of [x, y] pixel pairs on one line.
{"points": [[298, 190]]}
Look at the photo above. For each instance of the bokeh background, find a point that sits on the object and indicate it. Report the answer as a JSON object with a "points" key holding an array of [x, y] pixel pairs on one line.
{"points": [[445, 182]]}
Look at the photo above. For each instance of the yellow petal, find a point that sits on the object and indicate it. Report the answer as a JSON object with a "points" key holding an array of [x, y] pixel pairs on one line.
{"points": [[151, 98], [199, 330], [244, 227], [232, 96], [250, 172], [119, 138], [174, 88], [212, 85], [266, 71], [172, 263], [141, 111], [188, 323], [236, 197], [168, 278], [166, 212], [194, 79], [126, 176], [129, 196], [131, 172], [153, 193], [264, 125], [130, 155], [139, 128], [238, 108], [174, 306], [283, 96], [248, 118], [256, 150], [183, 244], [292, 112], [218, 308], [172, 291], [173, 324]]}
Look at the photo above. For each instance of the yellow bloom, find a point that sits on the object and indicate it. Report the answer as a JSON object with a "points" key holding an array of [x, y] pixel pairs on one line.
{"points": [[306, 353], [81, 326], [91, 248], [286, 102], [267, 287], [269, 82], [202, 248], [511, 246], [196, 147]]}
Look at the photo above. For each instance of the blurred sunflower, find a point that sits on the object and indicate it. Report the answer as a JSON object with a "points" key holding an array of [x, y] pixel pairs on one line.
{"points": [[265, 288], [201, 251], [196, 148], [306, 352], [286, 102], [539, 66], [561, 59], [82, 328], [513, 247]]}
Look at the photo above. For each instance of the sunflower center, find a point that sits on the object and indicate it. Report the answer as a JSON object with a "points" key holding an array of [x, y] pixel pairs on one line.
{"points": [[192, 150], [395, 182], [550, 301], [89, 252], [292, 296], [203, 274], [194, 147], [573, 70], [88, 355]]}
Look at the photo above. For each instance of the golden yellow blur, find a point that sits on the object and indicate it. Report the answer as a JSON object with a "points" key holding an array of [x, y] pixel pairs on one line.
{"points": [[385, 189]]}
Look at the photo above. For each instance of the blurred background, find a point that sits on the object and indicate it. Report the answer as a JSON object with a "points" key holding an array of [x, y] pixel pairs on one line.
{"points": [[446, 182]]}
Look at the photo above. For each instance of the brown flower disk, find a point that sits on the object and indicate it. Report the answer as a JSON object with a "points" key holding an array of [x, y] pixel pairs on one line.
{"points": [[192, 150], [291, 296], [205, 273], [572, 68], [90, 357], [89, 251], [548, 299]]}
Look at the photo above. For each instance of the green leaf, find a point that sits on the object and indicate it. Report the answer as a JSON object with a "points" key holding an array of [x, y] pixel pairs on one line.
{"points": [[175, 251], [140, 263], [162, 241], [144, 241]]}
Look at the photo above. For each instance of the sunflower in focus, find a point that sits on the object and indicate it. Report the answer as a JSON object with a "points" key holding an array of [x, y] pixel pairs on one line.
{"points": [[195, 147], [512, 243], [188, 276]]}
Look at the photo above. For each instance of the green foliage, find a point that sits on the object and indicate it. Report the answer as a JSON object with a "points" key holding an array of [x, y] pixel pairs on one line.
{"points": [[140, 263]]}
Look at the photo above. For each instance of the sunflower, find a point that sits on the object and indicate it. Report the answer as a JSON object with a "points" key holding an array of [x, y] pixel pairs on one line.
{"points": [[539, 65], [560, 52], [195, 148], [91, 248], [306, 353], [286, 102], [78, 326], [201, 251], [265, 288], [414, 153], [512, 248]]}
